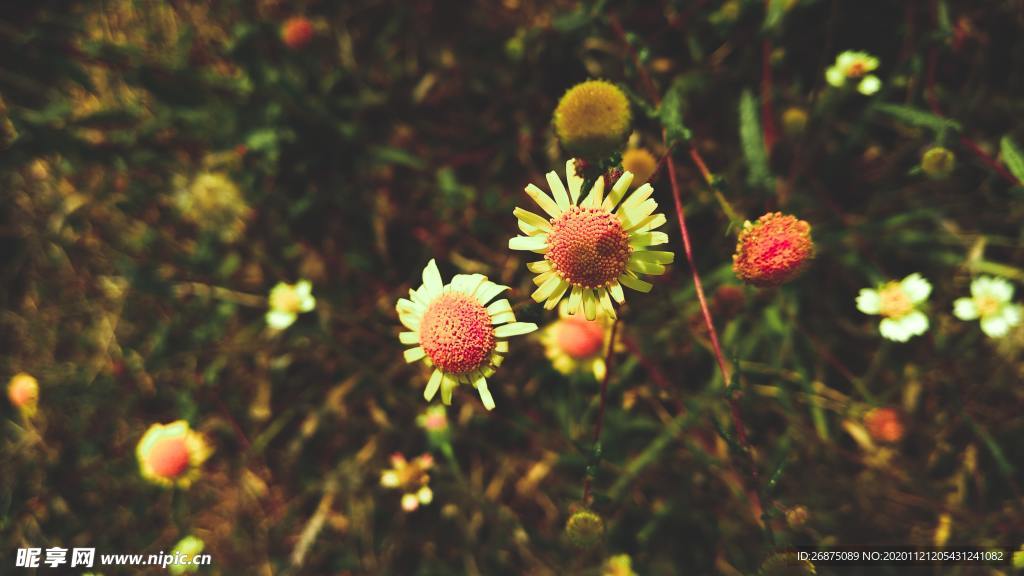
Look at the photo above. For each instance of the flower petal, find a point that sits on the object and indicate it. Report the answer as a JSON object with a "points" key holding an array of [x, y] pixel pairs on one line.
{"points": [[533, 219], [615, 289], [965, 309], [433, 385], [414, 354], [644, 239], [539, 267], [574, 180], [448, 384], [994, 326], [409, 337], [618, 190], [544, 201], [558, 191], [514, 329], [655, 256], [487, 291], [593, 199], [556, 296], [432, 279], [916, 288], [485, 395], [531, 243], [280, 320], [869, 301], [632, 281]]}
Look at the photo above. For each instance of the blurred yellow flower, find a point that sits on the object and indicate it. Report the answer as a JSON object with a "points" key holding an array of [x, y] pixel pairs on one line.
{"points": [[575, 344], [287, 301], [412, 478], [214, 204], [855, 66], [641, 163], [171, 454], [23, 392]]}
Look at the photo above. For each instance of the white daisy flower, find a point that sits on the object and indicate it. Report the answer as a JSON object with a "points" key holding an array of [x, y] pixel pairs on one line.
{"points": [[898, 302], [991, 302], [287, 301]]}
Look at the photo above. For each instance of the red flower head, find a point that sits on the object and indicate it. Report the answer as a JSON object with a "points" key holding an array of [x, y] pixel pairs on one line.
{"points": [[884, 424], [773, 250], [297, 32]]}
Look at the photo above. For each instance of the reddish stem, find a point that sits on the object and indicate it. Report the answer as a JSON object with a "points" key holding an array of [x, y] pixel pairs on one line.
{"points": [[767, 107], [965, 141]]}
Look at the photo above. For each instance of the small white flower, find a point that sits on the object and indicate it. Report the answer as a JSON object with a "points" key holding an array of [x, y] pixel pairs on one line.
{"points": [[991, 302], [898, 302], [287, 301]]}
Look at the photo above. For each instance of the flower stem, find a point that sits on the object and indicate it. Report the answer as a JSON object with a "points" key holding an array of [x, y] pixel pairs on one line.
{"points": [[734, 410], [599, 422]]}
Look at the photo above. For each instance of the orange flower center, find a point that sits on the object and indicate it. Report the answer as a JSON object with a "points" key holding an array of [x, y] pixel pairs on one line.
{"points": [[893, 301], [286, 300], [987, 305], [856, 69], [169, 457], [456, 333], [588, 247], [579, 338], [22, 392]]}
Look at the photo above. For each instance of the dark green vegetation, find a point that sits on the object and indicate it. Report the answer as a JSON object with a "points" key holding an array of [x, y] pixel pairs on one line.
{"points": [[406, 130]]}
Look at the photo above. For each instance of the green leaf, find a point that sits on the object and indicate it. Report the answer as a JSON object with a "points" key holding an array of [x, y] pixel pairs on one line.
{"points": [[673, 105], [390, 155], [1013, 157], [917, 117], [758, 173], [773, 15]]}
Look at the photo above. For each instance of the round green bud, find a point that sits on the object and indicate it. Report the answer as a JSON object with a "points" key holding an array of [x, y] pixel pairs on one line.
{"points": [[938, 162], [584, 528], [593, 119]]}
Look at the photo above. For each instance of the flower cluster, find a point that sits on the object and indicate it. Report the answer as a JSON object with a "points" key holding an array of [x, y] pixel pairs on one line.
{"points": [[412, 478], [855, 67], [900, 303]]}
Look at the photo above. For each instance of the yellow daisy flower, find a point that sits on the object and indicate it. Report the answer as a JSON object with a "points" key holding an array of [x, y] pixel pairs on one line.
{"points": [[457, 332], [574, 344], [23, 392], [591, 249], [171, 454]]}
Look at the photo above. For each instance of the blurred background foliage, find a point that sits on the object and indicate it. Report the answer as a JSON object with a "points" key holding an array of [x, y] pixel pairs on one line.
{"points": [[165, 164]]}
